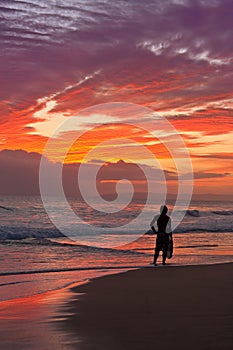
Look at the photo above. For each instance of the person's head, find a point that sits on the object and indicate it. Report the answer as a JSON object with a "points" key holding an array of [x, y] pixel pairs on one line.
{"points": [[163, 209]]}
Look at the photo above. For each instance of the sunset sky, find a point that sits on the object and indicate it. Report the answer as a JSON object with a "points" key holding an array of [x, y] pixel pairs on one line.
{"points": [[175, 57]]}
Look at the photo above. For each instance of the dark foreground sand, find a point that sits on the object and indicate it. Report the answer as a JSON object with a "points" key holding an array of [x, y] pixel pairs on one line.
{"points": [[156, 308]]}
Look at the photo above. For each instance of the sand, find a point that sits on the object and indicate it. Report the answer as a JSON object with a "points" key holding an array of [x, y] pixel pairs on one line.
{"points": [[164, 307]]}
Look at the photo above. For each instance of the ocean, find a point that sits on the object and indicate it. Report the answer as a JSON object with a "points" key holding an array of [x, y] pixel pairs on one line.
{"points": [[36, 258], [38, 263]]}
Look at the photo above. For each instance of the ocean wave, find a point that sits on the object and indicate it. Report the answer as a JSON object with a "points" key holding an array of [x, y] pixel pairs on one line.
{"points": [[67, 269], [222, 212], [191, 229], [195, 213], [203, 230], [201, 213], [12, 283], [198, 246], [181, 246], [44, 236], [17, 233], [6, 208]]}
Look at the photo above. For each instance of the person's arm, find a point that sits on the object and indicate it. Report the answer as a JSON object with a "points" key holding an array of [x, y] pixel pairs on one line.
{"points": [[169, 229], [153, 229], [153, 222]]}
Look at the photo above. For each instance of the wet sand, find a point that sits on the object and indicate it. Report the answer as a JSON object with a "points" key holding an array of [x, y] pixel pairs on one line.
{"points": [[32, 322], [189, 307]]}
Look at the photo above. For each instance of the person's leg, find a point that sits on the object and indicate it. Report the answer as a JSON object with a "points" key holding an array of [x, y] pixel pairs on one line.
{"points": [[164, 255], [156, 255]]}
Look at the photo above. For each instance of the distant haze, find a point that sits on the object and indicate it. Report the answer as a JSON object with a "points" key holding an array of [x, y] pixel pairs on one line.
{"points": [[19, 175]]}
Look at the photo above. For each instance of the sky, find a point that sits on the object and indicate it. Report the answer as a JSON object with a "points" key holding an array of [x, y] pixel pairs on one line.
{"points": [[174, 57]]}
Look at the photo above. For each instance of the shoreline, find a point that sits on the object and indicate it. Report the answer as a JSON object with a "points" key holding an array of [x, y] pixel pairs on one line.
{"points": [[195, 309], [53, 310]]}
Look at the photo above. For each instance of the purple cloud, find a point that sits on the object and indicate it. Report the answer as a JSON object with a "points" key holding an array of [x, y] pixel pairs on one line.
{"points": [[56, 42]]}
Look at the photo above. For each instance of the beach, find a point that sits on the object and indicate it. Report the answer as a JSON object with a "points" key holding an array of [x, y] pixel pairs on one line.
{"points": [[116, 143], [39, 269], [164, 307]]}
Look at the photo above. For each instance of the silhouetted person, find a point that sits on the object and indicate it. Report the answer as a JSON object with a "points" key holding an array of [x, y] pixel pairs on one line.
{"points": [[164, 233]]}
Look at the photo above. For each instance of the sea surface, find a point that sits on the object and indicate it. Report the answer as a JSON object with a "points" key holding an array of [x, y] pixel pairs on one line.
{"points": [[36, 259]]}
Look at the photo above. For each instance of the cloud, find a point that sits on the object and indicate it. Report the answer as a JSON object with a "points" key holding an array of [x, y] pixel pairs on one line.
{"points": [[19, 172], [20, 176], [58, 57], [55, 43], [26, 182], [203, 175], [223, 156]]}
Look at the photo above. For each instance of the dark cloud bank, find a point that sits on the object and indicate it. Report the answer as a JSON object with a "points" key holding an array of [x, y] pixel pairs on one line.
{"points": [[19, 175]]}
